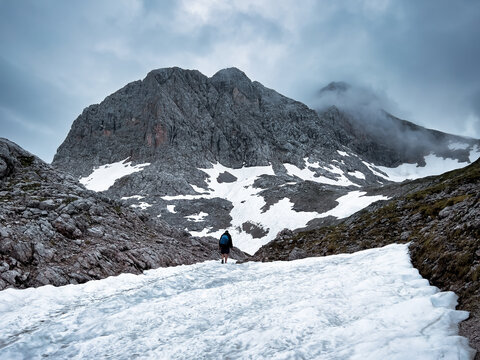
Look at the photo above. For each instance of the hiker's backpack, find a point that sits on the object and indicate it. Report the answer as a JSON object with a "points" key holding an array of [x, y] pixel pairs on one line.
{"points": [[224, 240]]}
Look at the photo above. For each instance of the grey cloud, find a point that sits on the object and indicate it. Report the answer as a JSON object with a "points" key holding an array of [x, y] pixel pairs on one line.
{"points": [[365, 107], [32, 110], [353, 98], [364, 125], [424, 55], [475, 103]]}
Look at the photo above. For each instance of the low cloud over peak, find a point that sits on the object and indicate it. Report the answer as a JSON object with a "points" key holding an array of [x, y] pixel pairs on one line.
{"points": [[423, 54]]}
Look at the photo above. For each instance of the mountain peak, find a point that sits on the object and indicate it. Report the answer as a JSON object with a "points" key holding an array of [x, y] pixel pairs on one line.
{"points": [[336, 86], [231, 74], [164, 74]]}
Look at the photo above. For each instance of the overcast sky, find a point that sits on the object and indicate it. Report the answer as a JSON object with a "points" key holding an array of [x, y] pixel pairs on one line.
{"points": [[57, 57]]}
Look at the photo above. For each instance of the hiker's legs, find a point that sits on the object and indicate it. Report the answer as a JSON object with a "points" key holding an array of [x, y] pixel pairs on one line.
{"points": [[226, 257]]}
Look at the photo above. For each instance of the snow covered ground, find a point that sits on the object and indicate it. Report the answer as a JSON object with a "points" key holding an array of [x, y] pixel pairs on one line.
{"points": [[308, 173], [248, 204], [367, 305], [105, 176], [434, 165]]}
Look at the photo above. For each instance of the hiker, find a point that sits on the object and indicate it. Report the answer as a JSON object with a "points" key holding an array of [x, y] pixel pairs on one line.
{"points": [[225, 243]]}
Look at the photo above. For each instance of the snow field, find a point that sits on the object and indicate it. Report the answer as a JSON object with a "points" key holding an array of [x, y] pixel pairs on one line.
{"points": [[368, 305], [142, 205], [308, 174], [103, 177], [247, 206], [170, 208], [197, 217], [458, 146], [435, 165]]}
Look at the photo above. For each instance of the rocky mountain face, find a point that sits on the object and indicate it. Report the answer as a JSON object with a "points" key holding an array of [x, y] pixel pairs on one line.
{"points": [[54, 231], [439, 216], [389, 141], [180, 122], [182, 117], [223, 152], [359, 123], [204, 154]]}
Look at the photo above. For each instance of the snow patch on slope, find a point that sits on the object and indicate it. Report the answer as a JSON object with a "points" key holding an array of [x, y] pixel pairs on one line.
{"points": [[248, 204], [369, 305], [357, 174], [103, 177], [474, 154], [434, 165], [458, 146], [308, 174], [134, 197], [197, 217], [143, 205], [351, 203]]}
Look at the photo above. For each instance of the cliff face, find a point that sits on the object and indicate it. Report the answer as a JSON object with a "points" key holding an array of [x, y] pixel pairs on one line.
{"points": [[54, 231], [181, 117], [439, 216]]}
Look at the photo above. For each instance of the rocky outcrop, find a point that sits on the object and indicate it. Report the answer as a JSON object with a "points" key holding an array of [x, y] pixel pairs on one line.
{"points": [[54, 231], [439, 216]]}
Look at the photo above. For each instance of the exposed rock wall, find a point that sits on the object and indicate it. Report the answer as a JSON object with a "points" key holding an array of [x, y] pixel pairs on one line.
{"points": [[181, 120], [54, 231], [184, 118]]}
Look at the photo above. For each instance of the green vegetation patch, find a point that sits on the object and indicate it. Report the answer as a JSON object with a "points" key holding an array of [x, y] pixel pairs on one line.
{"points": [[69, 199], [433, 209], [26, 160], [31, 187]]}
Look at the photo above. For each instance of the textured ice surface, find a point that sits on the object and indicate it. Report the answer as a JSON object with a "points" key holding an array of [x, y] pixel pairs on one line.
{"points": [[367, 305]]}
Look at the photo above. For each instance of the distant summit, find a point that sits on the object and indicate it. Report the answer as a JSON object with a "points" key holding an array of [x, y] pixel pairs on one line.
{"points": [[335, 86], [357, 117], [231, 75]]}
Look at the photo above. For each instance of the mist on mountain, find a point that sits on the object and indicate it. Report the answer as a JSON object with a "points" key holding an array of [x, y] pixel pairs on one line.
{"points": [[362, 119]]}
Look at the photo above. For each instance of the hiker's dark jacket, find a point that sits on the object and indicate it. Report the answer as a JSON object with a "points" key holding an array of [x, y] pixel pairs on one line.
{"points": [[230, 243]]}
